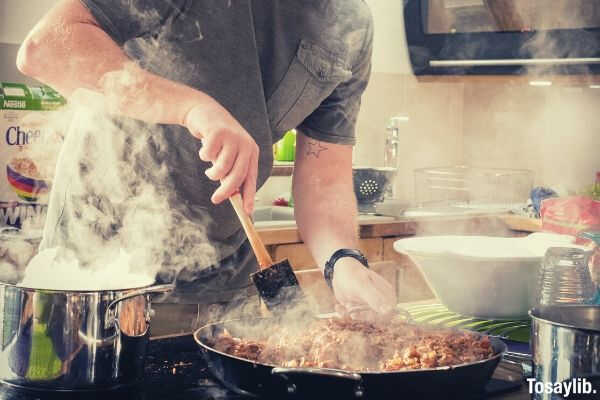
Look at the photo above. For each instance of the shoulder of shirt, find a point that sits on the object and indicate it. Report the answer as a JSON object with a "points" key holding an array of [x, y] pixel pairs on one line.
{"points": [[351, 22]]}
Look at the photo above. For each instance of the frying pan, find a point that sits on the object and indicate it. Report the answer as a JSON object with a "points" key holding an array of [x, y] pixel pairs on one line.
{"points": [[255, 379]]}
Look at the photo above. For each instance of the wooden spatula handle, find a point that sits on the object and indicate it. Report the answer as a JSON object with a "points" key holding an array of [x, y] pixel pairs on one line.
{"points": [[262, 255]]}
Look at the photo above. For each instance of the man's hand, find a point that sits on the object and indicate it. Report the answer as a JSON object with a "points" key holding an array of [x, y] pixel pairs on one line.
{"points": [[230, 148], [361, 292]]}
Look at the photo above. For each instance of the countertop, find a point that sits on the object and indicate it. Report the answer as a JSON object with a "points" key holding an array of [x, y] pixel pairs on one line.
{"points": [[281, 232]]}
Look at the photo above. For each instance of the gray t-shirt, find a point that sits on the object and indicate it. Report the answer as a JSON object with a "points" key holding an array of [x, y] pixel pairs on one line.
{"points": [[274, 64]]}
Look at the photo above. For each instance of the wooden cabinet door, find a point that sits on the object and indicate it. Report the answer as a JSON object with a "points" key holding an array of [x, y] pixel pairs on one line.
{"points": [[411, 284], [300, 258], [314, 286]]}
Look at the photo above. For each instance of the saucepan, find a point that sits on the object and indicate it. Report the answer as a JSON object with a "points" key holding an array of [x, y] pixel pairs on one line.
{"points": [[74, 340], [565, 343], [255, 379]]}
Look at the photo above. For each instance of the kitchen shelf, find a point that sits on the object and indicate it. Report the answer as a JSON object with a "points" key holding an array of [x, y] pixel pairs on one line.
{"points": [[282, 168], [394, 227], [521, 223]]}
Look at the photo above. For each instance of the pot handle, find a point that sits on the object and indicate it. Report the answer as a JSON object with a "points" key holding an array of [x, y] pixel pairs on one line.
{"points": [[359, 390], [522, 360], [109, 314]]}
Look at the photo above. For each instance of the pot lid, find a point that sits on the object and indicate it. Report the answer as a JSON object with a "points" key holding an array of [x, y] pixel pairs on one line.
{"points": [[576, 316]]}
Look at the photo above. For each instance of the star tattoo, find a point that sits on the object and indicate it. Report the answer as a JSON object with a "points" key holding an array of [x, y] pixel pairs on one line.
{"points": [[315, 148]]}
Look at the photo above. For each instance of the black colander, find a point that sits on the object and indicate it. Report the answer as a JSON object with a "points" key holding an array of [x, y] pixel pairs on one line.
{"points": [[370, 184]]}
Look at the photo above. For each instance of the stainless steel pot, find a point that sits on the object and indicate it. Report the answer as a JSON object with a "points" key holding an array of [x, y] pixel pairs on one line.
{"points": [[74, 340], [565, 343]]}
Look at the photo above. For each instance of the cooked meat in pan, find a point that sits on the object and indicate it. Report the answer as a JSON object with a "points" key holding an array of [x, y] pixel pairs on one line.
{"points": [[359, 346]]}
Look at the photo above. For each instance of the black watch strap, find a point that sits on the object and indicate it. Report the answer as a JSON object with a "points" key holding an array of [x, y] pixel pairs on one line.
{"points": [[329, 265]]}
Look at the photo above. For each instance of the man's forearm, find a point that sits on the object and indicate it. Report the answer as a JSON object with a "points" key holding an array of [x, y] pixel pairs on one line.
{"points": [[68, 51], [325, 209], [326, 218]]}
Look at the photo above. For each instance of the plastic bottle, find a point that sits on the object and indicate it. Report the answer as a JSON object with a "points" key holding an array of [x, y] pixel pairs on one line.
{"points": [[594, 260]]}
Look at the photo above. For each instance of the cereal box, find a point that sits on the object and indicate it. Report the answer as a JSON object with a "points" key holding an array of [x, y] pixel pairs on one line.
{"points": [[28, 151]]}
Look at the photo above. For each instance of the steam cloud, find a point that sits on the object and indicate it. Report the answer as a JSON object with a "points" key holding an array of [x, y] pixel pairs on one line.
{"points": [[120, 198]]}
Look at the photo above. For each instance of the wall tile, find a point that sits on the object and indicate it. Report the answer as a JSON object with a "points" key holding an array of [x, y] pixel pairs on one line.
{"points": [[432, 136], [554, 131]]}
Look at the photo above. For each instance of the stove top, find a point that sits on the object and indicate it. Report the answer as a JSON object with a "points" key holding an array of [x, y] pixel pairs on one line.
{"points": [[174, 370]]}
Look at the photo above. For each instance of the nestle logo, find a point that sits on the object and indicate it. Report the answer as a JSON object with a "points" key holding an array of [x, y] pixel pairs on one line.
{"points": [[15, 104]]}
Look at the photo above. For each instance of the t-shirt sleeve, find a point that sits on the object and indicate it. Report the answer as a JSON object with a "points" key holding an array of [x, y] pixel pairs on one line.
{"points": [[334, 121], [123, 20]]}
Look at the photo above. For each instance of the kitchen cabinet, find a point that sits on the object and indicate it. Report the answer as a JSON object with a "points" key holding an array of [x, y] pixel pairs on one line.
{"points": [[283, 168], [377, 241], [311, 277], [313, 284], [566, 81], [410, 284], [300, 257], [397, 269]]}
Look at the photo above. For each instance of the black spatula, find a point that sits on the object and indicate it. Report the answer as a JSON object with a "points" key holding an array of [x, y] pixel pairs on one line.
{"points": [[277, 284]]}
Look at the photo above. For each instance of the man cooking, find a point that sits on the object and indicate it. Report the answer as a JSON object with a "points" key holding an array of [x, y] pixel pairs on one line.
{"points": [[235, 74]]}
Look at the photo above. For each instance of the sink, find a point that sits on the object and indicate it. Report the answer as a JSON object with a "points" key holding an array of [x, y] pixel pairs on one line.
{"points": [[273, 213], [278, 216]]}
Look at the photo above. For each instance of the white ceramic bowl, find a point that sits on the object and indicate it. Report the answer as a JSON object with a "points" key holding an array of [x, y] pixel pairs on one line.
{"points": [[481, 276]]}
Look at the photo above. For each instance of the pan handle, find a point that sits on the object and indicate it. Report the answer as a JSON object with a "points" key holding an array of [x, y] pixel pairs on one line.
{"points": [[109, 315], [359, 390], [522, 360]]}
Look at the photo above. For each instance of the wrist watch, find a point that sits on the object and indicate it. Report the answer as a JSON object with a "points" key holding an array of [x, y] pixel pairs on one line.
{"points": [[329, 265]]}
